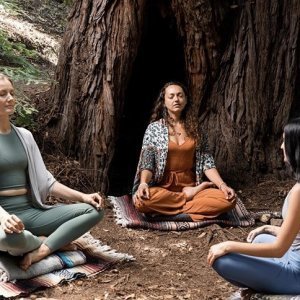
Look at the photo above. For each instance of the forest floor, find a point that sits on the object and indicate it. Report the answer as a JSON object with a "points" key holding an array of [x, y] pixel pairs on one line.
{"points": [[169, 265]]}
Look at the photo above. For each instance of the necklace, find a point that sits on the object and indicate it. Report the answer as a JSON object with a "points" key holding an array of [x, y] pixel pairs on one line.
{"points": [[173, 133]]}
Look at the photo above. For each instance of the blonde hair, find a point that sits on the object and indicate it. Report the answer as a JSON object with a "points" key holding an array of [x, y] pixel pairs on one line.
{"points": [[3, 76]]}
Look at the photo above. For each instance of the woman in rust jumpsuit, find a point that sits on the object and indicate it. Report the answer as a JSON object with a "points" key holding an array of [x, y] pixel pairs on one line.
{"points": [[173, 160]]}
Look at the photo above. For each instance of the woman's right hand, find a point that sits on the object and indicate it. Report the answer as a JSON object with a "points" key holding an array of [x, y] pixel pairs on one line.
{"points": [[142, 191], [12, 224], [253, 233]]}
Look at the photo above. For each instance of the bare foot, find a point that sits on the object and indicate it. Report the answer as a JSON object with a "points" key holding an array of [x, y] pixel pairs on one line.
{"points": [[34, 256], [191, 191]]}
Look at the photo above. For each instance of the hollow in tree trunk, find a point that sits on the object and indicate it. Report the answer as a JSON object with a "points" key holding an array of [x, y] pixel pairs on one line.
{"points": [[241, 65]]}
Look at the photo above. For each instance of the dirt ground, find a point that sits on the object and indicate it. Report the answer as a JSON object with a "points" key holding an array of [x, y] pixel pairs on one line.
{"points": [[169, 265]]}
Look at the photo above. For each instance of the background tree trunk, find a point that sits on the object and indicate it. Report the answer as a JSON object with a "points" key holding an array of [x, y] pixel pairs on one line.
{"points": [[96, 57], [241, 64], [252, 97]]}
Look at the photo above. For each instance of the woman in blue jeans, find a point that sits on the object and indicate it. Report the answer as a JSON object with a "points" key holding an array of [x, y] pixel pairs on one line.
{"points": [[270, 262], [28, 226]]}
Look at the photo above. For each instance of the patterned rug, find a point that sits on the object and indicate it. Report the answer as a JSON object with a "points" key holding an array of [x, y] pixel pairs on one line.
{"points": [[92, 258], [127, 216]]}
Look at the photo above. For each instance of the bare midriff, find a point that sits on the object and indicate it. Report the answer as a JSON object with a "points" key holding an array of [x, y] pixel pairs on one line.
{"points": [[13, 192]]}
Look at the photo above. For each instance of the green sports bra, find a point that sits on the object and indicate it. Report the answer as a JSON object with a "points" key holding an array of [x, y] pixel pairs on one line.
{"points": [[13, 162]]}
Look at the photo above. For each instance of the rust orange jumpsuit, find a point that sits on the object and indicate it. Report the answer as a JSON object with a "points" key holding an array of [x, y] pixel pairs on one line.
{"points": [[168, 198]]}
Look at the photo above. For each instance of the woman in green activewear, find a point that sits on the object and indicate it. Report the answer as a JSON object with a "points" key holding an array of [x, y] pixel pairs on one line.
{"points": [[28, 227]]}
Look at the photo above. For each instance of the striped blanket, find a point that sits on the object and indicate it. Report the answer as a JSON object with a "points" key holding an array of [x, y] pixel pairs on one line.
{"points": [[127, 216], [93, 258]]}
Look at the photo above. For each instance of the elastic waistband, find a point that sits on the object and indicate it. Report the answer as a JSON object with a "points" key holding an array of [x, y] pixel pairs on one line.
{"points": [[179, 171], [15, 196]]}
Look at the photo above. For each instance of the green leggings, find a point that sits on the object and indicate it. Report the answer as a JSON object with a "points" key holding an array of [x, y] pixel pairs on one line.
{"points": [[60, 224]]}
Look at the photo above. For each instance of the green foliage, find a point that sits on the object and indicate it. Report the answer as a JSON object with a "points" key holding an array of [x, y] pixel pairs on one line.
{"points": [[10, 5], [15, 58], [15, 62], [24, 114]]}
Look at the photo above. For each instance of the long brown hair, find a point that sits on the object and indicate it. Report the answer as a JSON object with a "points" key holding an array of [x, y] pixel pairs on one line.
{"points": [[188, 117]]}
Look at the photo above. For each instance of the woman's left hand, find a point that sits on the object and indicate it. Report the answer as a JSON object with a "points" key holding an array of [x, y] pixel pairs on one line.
{"points": [[216, 251], [94, 199], [228, 192]]}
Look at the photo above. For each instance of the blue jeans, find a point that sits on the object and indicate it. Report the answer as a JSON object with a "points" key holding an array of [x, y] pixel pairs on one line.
{"points": [[267, 275]]}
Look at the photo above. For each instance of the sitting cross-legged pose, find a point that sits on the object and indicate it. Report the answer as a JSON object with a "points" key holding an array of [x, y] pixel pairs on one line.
{"points": [[28, 227], [172, 162], [270, 262]]}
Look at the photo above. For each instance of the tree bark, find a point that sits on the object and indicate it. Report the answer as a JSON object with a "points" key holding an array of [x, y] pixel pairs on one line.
{"points": [[242, 69], [252, 97], [96, 56]]}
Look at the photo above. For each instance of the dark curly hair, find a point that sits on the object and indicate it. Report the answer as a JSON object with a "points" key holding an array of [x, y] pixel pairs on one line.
{"points": [[292, 146], [188, 117]]}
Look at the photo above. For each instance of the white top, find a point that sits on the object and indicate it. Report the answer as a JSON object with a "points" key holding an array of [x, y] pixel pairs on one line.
{"points": [[296, 243]]}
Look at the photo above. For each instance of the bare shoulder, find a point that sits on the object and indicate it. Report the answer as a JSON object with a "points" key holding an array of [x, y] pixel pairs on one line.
{"points": [[296, 189], [294, 194]]}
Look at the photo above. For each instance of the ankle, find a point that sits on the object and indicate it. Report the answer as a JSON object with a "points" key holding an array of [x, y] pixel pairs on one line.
{"points": [[44, 250]]}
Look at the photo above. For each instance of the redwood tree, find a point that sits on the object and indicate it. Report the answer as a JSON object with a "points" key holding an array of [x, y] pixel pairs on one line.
{"points": [[241, 65]]}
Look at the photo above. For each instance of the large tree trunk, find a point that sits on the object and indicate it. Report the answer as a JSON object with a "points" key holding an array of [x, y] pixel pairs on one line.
{"points": [[241, 64], [252, 97], [96, 57]]}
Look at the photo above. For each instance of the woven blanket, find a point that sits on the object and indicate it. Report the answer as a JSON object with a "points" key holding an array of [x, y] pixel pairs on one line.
{"points": [[92, 258], [127, 216]]}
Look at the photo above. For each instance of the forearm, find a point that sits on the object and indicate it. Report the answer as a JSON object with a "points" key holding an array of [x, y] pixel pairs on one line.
{"points": [[214, 176], [61, 191], [253, 249], [146, 176]]}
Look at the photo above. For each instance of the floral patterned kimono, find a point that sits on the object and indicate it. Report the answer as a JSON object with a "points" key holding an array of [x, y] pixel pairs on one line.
{"points": [[154, 154], [166, 160]]}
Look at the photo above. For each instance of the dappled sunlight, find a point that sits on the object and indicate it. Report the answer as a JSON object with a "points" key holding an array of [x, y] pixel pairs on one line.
{"points": [[20, 30]]}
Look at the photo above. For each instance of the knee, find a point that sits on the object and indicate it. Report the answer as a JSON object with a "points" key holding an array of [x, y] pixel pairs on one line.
{"points": [[264, 238], [96, 215], [13, 241], [141, 205], [222, 264], [231, 204], [88, 209], [228, 204]]}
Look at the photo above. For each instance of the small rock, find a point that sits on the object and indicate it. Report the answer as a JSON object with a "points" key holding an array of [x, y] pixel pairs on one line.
{"points": [[276, 222], [265, 218]]}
